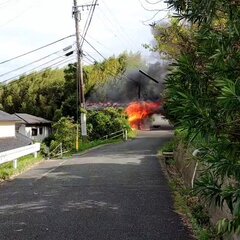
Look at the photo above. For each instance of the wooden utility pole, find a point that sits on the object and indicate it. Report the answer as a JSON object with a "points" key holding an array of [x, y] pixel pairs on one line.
{"points": [[79, 75]]}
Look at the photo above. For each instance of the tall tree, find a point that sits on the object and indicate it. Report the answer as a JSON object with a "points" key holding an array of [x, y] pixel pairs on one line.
{"points": [[203, 92]]}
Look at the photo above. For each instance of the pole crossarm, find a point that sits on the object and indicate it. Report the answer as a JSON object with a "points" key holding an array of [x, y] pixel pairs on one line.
{"points": [[87, 5]]}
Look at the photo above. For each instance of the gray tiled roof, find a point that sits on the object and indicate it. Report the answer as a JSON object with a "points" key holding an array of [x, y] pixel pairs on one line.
{"points": [[14, 142], [7, 117], [30, 119]]}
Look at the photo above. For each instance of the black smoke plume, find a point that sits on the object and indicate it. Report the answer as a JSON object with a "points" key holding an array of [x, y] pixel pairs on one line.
{"points": [[133, 86]]}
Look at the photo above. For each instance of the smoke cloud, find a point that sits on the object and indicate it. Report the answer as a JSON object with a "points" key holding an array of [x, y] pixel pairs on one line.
{"points": [[133, 86]]}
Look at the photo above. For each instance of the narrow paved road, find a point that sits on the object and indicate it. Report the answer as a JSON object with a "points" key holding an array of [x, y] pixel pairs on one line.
{"points": [[116, 192]]}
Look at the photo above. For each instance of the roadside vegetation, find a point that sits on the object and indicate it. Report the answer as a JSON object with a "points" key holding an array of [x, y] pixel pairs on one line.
{"points": [[51, 94], [202, 95], [7, 171], [100, 125], [186, 203]]}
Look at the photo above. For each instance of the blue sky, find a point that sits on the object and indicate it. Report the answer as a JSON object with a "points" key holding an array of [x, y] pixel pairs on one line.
{"points": [[28, 24]]}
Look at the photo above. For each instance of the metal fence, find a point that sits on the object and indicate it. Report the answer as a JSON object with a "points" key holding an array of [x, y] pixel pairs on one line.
{"points": [[117, 134], [14, 154]]}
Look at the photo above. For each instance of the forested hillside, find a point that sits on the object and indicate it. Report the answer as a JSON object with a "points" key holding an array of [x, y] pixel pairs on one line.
{"points": [[52, 93]]}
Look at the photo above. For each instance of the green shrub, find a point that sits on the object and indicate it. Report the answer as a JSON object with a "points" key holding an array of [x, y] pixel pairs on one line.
{"points": [[65, 133], [104, 122]]}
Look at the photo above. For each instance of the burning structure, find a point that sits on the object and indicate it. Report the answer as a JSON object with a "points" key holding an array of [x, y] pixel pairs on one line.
{"points": [[139, 112], [139, 96]]}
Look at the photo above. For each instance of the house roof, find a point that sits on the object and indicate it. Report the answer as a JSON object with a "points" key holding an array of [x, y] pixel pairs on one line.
{"points": [[30, 119], [6, 117], [14, 142]]}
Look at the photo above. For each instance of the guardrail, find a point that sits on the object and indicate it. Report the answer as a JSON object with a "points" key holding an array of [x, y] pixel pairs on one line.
{"points": [[58, 151], [14, 154], [120, 133]]}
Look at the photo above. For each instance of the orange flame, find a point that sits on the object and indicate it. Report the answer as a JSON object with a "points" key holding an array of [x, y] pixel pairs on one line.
{"points": [[138, 111]]}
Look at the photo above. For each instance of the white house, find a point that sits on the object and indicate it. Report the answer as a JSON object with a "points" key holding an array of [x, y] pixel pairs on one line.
{"points": [[9, 139], [7, 125], [33, 127], [14, 145]]}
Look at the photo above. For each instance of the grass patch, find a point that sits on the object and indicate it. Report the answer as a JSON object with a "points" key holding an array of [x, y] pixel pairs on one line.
{"points": [[88, 145], [7, 171]]}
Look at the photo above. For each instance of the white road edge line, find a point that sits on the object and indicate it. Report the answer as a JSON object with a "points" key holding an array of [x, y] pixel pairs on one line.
{"points": [[51, 170]]}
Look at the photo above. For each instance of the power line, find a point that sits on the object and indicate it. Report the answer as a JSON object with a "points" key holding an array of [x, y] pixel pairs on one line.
{"points": [[89, 20], [26, 65], [17, 16], [42, 70], [88, 62], [88, 55], [150, 19], [112, 74], [99, 43], [152, 3], [122, 29], [152, 10], [3, 4], [92, 47], [107, 22], [47, 45], [26, 72]]}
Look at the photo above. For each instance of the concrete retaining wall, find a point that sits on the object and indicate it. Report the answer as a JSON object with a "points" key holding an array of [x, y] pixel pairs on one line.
{"points": [[186, 165]]}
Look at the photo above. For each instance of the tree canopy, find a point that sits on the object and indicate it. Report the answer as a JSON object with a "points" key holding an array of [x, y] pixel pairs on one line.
{"points": [[51, 94], [202, 92]]}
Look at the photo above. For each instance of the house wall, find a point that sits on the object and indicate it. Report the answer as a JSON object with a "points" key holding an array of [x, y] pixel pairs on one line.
{"points": [[7, 129], [28, 131]]}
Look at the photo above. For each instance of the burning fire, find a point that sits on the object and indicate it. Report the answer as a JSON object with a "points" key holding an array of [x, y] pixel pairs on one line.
{"points": [[138, 111]]}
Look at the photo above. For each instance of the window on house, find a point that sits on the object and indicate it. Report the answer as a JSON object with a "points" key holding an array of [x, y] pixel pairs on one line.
{"points": [[34, 131], [40, 130]]}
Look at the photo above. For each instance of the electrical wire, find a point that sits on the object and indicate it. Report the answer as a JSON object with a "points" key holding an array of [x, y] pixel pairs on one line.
{"points": [[152, 10], [92, 47], [42, 70], [118, 30], [152, 3], [93, 59], [89, 20], [3, 4], [37, 49], [26, 65], [121, 28], [112, 74], [150, 19], [99, 43], [26, 72]]}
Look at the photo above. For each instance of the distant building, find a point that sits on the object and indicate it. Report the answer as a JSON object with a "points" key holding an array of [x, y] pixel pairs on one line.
{"points": [[9, 139], [33, 127]]}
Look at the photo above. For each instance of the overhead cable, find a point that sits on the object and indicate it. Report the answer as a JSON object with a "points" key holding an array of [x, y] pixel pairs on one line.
{"points": [[24, 54], [89, 20], [26, 72], [92, 47], [59, 63], [26, 65], [152, 3]]}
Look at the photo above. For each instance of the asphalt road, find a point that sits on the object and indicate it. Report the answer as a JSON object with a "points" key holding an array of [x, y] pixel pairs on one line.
{"points": [[115, 192]]}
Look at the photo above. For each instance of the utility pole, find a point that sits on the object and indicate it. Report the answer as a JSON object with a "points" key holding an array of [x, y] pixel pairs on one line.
{"points": [[79, 74]]}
